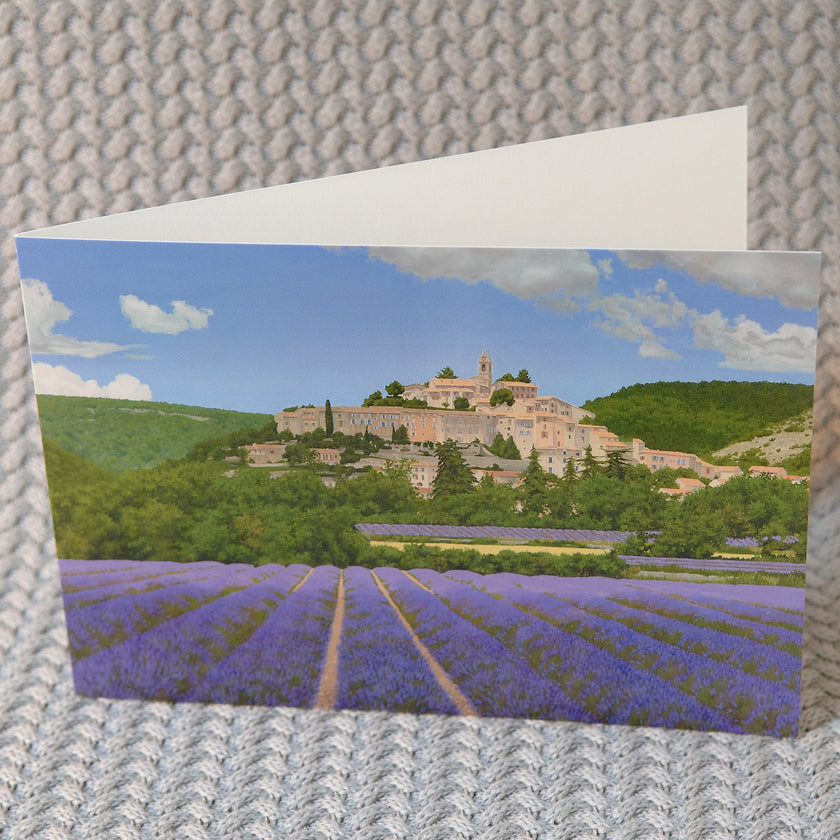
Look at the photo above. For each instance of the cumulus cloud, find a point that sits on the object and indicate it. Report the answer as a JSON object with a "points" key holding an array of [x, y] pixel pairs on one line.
{"points": [[746, 345], [792, 278], [567, 281], [152, 319], [654, 350], [636, 318], [526, 273], [59, 380], [43, 312]]}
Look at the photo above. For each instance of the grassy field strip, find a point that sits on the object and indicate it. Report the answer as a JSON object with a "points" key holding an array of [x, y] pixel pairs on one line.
{"points": [[493, 548]]}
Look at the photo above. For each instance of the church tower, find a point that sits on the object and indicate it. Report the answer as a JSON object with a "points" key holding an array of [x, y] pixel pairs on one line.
{"points": [[484, 379]]}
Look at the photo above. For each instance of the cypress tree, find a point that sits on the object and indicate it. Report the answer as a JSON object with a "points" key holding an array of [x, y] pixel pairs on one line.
{"points": [[328, 419]]}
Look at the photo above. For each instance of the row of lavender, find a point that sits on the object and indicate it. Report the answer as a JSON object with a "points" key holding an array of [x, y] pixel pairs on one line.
{"points": [[514, 533], [648, 652], [716, 565], [496, 532]]}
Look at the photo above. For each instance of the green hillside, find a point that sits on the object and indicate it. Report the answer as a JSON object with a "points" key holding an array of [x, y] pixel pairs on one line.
{"points": [[699, 417], [120, 435]]}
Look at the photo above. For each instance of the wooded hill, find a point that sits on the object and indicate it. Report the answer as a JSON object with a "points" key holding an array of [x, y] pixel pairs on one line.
{"points": [[120, 435], [699, 417]]}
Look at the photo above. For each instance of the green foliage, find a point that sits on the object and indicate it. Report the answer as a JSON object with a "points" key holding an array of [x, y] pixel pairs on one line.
{"points": [[699, 417], [400, 435], [126, 434], [394, 389], [799, 463], [617, 464], [504, 448], [424, 556], [502, 395], [461, 404], [757, 506], [453, 475], [445, 373], [533, 491], [590, 465], [751, 458], [329, 423], [522, 376], [299, 453], [229, 444], [373, 399]]}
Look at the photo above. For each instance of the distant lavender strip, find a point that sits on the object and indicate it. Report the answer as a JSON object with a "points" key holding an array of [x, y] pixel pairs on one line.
{"points": [[280, 664], [781, 568], [516, 533], [781, 598], [166, 661], [379, 666], [752, 542], [494, 532], [103, 574]]}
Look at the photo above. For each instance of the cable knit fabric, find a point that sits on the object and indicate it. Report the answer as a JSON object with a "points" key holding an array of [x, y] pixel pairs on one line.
{"points": [[111, 105]]}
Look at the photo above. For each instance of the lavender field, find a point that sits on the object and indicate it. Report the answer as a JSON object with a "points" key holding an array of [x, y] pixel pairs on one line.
{"points": [[647, 652]]}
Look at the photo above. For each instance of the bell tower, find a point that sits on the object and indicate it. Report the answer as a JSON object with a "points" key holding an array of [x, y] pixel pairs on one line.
{"points": [[484, 379]]}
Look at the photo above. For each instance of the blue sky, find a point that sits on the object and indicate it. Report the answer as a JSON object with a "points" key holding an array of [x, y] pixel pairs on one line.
{"points": [[259, 328]]}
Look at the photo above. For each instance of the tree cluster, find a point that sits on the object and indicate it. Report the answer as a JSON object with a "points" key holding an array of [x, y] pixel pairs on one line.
{"points": [[505, 447], [522, 376]]}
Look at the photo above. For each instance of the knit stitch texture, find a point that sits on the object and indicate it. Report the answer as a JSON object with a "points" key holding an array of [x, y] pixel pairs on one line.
{"points": [[112, 105]]}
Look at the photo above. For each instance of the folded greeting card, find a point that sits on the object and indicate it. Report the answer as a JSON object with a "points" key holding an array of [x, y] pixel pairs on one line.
{"points": [[358, 465]]}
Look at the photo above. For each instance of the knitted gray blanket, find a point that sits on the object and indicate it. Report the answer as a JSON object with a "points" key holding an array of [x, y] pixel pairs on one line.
{"points": [[113, 105]]}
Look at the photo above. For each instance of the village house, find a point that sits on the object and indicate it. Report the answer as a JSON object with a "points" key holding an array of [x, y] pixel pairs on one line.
{"points": [[327, 457], [684, 487], [265, 453]]}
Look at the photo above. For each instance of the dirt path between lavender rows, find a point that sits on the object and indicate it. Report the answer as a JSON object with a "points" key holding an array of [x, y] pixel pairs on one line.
{"points": [[454, 693], [328, 686]]}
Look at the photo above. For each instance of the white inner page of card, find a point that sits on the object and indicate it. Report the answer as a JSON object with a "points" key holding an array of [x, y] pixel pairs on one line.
{"points": [[679, 183]]}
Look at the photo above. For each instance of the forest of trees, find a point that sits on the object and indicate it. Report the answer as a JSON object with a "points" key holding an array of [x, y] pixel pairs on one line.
{"points": [[699, 417], [128, 434], [191, 510]]}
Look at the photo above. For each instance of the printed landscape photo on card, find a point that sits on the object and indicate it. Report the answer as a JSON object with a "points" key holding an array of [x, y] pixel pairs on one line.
{"points": [[555, 483], [558, 484]]}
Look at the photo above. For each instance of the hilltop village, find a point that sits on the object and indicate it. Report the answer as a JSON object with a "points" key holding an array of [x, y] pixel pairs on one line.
{"points": [[475, 413]]}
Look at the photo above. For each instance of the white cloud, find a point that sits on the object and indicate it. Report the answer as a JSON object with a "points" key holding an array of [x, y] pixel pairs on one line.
{"points": [[59, 380], [152, 319], [793, 278], [655, 350], [605, 267], [43, 312], [526, 273], [635, 317], [746, 345]]}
